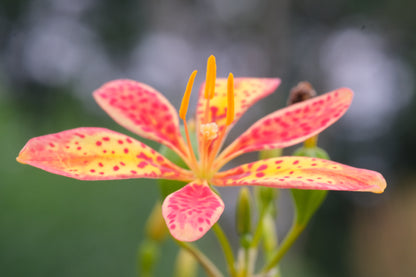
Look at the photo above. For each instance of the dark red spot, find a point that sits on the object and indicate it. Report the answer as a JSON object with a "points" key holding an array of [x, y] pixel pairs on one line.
{"points": [[100, 165], [296, 162], [200, 229], [79, 148], [116, 168], [106, 138], [102, 173], [120, 141], [123, 164], [133, 171], [126, 150], [104, 151], [262, 167], [159, 159], [129, 140], [313, 164], [172, 227], [92, 170], [278, 162], [51, 144], [310, 180], [291, 172], [98, 143], [259, 174], [142, 164]]}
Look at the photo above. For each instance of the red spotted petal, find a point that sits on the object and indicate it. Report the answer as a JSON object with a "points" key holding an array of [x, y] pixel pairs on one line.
{"points": [[191, 211], [247, 91], [292, 124], [302, 173], [98, 154], [142, 110]]}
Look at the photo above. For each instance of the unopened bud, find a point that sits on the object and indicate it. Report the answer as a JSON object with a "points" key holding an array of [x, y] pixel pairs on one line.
{"points": [[303, 91], [243, 216], [265, 197], [148, 256], [186, 265], [155, 226]]}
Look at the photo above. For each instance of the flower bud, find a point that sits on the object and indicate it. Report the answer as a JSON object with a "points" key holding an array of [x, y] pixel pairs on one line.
{"points": [[303, 91], [186, 265], [155, 226], [148, 255], [243, 213]]}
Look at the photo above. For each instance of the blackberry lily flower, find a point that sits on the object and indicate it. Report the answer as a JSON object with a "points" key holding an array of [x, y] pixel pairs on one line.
{"points": [[90, 153]]}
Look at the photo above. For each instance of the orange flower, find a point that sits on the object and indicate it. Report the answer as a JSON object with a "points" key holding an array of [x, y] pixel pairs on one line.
{"points": [[90, 153]]}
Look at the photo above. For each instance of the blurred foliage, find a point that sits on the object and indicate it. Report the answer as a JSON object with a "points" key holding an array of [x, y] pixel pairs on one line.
{"points": [[55, 226]]}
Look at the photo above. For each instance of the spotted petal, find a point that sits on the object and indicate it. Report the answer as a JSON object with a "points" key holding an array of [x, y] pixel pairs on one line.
{"points": [[98, 154], [247, 91], [142, 110], [292, 124], [191, 211], [302, 173]]}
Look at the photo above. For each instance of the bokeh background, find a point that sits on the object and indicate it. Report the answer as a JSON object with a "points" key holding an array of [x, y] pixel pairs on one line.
{"points": [[54, 53]]}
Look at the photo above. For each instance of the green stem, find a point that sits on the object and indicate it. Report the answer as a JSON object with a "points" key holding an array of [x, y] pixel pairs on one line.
{"points": [[291, 237], [259, 230], [228, 252], [209, 267]]}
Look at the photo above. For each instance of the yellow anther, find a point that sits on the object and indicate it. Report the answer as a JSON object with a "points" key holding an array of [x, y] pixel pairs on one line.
{"points": [[186, 96], [230, 99], [209, 131], [210, 79]]}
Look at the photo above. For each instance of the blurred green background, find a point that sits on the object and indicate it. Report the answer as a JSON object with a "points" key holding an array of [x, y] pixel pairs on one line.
{"points": [[54, 53]]}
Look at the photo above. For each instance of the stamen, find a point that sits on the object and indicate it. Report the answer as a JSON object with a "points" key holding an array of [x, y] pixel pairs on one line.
{"points": [[230, 117], [210, 78], [230, 99], [192, 163], [209, 131], [185, 100]]}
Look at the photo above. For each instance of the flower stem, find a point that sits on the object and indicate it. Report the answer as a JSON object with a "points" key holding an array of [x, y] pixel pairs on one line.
{"points": [[225, 244], [291, 237], [207, 264]]}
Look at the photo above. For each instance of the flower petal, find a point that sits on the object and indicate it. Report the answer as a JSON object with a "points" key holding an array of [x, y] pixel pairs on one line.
{"points": [[191, 211], [292, 124], [98, 154], [247, 91], [142, 110], [302, 173]]}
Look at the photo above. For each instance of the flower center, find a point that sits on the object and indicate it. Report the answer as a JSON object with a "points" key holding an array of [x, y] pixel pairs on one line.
{"points": [[209, 131]]}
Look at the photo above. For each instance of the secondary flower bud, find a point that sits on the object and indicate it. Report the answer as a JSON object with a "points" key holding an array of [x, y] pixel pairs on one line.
{"points": [[243, 212]]}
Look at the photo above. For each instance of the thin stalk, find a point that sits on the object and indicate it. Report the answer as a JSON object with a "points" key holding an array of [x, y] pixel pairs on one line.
{"points": [[259, 230], [226, 247], [205, 262], [291, 237]]}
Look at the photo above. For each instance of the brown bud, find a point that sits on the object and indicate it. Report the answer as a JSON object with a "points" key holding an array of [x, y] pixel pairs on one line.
{"points": [[303, 91]]}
